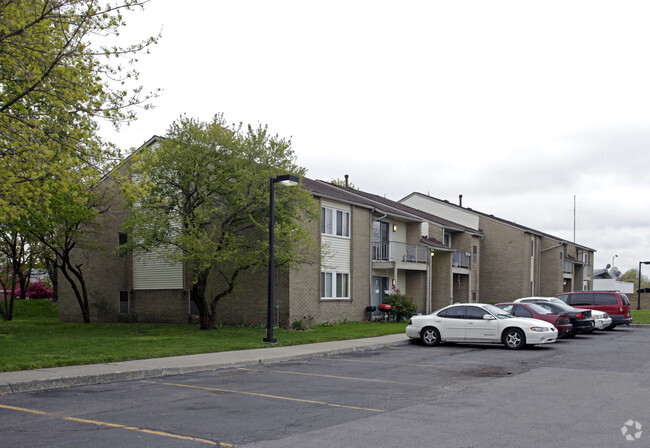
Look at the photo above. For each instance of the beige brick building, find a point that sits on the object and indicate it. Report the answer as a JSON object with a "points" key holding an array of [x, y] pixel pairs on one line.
{"points": [[433, 251], [371, 246], [516, 261]]}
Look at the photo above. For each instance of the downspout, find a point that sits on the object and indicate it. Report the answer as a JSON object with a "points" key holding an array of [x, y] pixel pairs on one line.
{"points": [[539, 269], [427, 306]]}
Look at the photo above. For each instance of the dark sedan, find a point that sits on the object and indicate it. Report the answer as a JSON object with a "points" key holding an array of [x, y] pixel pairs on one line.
{"points": [[580, 318], [562, 321]]}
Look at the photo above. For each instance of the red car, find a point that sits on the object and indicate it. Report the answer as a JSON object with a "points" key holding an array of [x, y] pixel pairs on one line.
{"points": [[561, 321]]}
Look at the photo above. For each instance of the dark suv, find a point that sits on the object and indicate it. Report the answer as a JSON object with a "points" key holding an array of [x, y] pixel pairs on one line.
{"points": [[614, 303]]}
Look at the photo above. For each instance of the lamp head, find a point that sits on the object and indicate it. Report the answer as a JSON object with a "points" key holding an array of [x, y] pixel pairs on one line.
{"points": [[288, 180]]}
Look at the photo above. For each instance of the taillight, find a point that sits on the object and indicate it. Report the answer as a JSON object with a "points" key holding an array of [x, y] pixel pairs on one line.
{"points": [[580, 316]]}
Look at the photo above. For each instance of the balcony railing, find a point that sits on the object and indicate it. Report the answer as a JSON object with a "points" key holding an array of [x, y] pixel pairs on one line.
{"points": [[395, 251], [460, 260]]}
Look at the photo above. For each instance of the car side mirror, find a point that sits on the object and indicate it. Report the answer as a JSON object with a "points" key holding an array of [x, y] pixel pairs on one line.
{"points": [[488, 317]]}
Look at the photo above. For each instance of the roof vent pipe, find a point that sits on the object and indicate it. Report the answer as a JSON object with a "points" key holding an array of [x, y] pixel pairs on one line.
{"points": [[346, 180], [460, 200]]}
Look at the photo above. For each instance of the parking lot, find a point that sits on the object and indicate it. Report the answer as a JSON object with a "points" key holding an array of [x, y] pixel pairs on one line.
{"points": [[581, 391]]}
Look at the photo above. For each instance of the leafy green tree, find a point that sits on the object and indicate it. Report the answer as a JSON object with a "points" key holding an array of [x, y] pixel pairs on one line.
{"points": [[204, 193], [71, 225], [344, 183], [60, 76], [56, 81], [632, 275]]}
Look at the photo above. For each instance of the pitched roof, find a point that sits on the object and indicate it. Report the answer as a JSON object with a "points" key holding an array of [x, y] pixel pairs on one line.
{"points": [[504, 221], [375, 202]]}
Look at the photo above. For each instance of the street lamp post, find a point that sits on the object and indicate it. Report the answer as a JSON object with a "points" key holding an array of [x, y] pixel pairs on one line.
{"points": [[638, 291], [289, 180]]}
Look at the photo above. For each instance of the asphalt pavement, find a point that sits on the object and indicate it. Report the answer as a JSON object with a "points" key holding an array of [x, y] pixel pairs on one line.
{"points": [[83, 375]]}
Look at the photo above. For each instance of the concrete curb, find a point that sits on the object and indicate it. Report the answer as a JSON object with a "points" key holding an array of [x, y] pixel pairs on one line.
{"points": [[85, 375]]}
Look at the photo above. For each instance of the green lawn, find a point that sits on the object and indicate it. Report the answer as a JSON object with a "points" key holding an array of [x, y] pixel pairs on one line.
{"points": [[640, 316], [36, 339]]}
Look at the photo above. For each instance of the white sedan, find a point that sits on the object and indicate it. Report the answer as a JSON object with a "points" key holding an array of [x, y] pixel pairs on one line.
{"points": [[477, 322], [601, 319]]}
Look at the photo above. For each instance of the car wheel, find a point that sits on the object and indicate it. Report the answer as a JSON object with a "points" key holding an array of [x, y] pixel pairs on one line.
{"points": [[514, 339], [610, 327], [430, 336]]}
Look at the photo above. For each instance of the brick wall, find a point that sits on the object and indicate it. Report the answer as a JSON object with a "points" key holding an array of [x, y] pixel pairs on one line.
{"points": [[305, 300], [441, 287], [505, 262], [104, 272]]}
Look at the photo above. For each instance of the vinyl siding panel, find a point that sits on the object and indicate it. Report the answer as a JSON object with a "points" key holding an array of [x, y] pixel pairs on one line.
{"points": [[152, 270], [338, 254]]}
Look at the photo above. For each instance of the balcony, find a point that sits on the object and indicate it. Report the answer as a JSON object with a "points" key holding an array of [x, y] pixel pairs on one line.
{"points": [[460, 260], [399, 252], [567, 267]]}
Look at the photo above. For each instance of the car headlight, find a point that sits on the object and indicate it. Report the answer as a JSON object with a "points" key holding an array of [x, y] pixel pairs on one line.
{"points": [[541, 329]]}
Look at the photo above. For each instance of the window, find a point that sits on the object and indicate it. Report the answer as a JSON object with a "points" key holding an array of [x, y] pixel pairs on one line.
{"points": [[473, 312], [124, 302], [581, 299], [446, 239], [475, 254], [507, 308], [335, 222], [122, 239], [521, 311], [335, 285], [454, 312], [603, 298], [532, 248], [194, 310]]}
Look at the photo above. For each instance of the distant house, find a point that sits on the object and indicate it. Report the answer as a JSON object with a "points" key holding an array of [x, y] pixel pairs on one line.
{"points": [[516, 261]]}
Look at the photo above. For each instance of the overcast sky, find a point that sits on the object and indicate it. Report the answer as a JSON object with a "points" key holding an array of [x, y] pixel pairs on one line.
{"points": [[519, 106]]}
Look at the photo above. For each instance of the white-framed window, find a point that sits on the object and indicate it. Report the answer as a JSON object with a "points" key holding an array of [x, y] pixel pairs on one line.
{"points": [[334, 285], [446, 239], [335, 222]]}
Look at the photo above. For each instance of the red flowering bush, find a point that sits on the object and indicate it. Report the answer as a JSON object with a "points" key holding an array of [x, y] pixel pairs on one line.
{"points": [[39, 290]]}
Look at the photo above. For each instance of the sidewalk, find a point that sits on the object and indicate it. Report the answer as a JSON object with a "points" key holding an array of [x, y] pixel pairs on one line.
{"points": [[62, 377]]}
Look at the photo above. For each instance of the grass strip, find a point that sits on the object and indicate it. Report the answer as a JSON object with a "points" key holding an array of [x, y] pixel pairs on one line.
{"points": [[36, 339]]}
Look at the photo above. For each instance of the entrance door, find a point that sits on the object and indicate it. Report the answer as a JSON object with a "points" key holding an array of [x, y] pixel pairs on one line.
{"points": [[379, 286]]}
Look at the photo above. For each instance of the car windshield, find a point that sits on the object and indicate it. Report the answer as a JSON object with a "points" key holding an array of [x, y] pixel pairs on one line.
{"points": [[498, 312]]}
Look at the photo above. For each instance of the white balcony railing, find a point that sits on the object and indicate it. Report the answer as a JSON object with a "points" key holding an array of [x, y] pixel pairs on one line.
{"points": [[395, 251]]}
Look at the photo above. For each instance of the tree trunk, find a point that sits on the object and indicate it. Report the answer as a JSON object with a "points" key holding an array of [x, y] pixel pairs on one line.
{"points": [[53, 273], [82, 296], [206, 312]]}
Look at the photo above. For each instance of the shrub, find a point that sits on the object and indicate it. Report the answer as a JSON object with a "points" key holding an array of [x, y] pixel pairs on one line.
{"points": [[38, 290], [298, 325], [403, 307]]}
